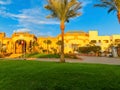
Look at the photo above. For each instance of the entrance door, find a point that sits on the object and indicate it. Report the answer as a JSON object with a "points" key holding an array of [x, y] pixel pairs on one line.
{"points": [[20, 46]]}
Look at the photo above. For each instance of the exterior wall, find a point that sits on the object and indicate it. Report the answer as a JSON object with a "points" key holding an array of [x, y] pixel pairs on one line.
{"points": [[10, 43], [103, 41], [25, 36], [72, 41], [7, 44], [93, 35], [116, 39], [50, 46]]}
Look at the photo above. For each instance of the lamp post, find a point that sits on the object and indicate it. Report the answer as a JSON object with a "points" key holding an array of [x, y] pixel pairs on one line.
{"points": [[23, 45]]}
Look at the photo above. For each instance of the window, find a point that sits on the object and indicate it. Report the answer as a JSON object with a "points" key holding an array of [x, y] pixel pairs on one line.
{"points": [[99, 41], [93, 41], [105, 41], [117, 40]]}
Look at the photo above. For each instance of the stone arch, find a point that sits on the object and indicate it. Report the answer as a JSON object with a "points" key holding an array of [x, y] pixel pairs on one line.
{"points": [[20, 46]]}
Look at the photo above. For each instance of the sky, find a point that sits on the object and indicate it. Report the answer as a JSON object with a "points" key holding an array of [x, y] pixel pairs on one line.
{"points": [[30, 16]]}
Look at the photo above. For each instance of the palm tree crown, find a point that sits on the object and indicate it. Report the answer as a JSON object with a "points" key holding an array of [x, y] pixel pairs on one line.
{"points": [[113, 5], [63, 9]]}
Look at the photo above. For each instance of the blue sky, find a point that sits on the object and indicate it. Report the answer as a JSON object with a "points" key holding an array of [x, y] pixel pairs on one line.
{"points": [[29, 15]]}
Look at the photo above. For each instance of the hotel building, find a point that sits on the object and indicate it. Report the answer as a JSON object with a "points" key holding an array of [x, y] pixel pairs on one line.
{"points": [[26, 42]]}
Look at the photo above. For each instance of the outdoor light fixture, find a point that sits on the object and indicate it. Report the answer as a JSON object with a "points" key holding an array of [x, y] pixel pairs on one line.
{"points": [[22, 42]]}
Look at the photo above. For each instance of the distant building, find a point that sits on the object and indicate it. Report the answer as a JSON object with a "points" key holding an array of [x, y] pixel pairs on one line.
{"points": [[24, 42]]}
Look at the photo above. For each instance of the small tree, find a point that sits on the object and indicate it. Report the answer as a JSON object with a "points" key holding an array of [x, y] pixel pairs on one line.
{"points": [[59, 42], [118, 50], [35, 44], [89, 49], [48, 42], [0, 47]]}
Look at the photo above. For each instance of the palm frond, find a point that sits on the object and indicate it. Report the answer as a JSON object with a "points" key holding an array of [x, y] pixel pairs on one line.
{"points": [[48, 7], [111, 4], [63, 9], [72, 9], [117, 2], [111, 9], [100, 5]]}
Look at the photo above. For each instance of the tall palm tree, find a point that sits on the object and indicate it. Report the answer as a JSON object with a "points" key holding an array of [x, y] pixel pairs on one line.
{"points": [[63, 10], [113, 5]]}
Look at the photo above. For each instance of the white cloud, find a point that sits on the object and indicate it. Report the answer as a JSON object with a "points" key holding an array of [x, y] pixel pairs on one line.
{"points": [[34, 15], [44, 34], [86, 2], [5, 2], [32, 19], [22, 30], [27, 16]]}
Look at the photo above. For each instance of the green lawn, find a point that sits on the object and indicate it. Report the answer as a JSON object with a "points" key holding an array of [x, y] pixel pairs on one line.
{"points": [[35, 75]]}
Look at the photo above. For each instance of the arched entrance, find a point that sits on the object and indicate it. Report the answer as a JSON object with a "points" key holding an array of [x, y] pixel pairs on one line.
{"points": [[20, 46]]}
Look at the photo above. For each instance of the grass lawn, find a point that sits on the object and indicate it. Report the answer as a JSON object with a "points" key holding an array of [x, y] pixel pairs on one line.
{"points": [[35, 75]]}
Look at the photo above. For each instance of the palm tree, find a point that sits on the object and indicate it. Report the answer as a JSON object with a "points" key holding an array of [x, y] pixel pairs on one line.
{"points": [[35, 45], [48, 42], [59, 44], [113, 5], [63, 10], [0, 46]]}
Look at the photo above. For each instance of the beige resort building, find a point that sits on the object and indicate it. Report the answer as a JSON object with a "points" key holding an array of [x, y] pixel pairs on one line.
{"points": [[24, 42]]}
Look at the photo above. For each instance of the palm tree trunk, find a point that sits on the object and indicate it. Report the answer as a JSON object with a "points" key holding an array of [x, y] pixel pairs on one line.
{"points": [[62, 27], [118, 15]]}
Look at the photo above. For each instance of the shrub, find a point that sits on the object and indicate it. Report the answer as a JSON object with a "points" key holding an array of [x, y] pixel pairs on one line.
{"points": [[1, 56], [89, 49], [73, 56], [38, 55]]}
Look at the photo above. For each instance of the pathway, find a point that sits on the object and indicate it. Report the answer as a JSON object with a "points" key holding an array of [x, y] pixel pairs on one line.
{"points": [[86, 59]]}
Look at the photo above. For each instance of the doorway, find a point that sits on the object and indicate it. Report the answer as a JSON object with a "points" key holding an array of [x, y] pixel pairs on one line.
{"points": [[20, 46]]}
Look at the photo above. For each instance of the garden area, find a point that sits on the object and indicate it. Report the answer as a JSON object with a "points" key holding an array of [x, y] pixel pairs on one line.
{"points": [[36, 75], [44, 55]]}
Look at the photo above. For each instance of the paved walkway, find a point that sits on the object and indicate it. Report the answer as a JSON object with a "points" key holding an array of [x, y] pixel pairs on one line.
{"points": [[86, 59], [101, 60]]}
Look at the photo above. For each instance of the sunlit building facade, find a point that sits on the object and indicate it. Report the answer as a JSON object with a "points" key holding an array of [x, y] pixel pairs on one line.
{"points": [[24, 42], [18, 43]]}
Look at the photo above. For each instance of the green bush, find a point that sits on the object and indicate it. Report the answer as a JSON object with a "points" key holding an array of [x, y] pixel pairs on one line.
{"points": [[38, 55], [73, 56], [89, 49], [1, 56], [31, 54]]}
